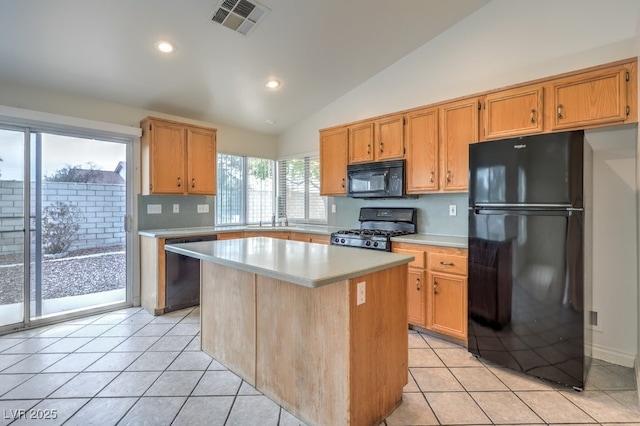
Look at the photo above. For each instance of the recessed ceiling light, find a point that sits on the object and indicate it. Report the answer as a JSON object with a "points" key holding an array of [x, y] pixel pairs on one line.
{"points": [[164, 46], [272, 83], [271, 122]]}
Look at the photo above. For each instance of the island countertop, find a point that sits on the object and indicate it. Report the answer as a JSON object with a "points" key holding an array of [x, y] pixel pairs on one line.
{"points": [[306, 264]]}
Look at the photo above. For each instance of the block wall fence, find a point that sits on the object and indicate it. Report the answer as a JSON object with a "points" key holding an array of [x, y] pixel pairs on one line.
{"points": [[102, 207]]}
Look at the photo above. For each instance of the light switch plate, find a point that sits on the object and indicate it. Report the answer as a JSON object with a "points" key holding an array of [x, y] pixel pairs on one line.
{"points": [[452, 210], [203, 208], [176, 208]]}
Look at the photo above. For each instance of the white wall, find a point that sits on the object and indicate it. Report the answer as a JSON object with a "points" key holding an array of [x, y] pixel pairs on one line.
{"points": [[615, 251], [507, 42], [230, 140]]}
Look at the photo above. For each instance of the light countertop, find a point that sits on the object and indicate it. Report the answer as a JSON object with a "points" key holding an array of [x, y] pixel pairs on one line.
{"points": [[426, 239], [306, 264]]}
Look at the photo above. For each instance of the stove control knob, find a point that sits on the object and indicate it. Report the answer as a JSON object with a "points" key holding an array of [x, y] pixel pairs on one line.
{"points": [[368, 243], [342, 240], [336, 240], [375, 244]]}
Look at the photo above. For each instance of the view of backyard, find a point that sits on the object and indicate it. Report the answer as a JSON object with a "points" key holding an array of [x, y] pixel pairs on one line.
{"points": [[80, 272]]}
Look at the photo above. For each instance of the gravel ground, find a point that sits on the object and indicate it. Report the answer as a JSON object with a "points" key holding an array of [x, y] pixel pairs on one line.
{"points": [[81, 272]]}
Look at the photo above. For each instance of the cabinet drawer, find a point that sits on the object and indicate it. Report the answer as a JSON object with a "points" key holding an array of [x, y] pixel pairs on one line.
{"points": [[450, 263], [419, 257]]}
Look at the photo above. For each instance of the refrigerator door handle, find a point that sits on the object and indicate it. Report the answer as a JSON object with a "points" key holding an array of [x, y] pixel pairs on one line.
{"points": [[522, 206], [525, 212]]}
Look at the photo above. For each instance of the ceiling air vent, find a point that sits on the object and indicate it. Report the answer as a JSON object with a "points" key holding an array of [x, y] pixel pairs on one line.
{"points": [[239, 15]]}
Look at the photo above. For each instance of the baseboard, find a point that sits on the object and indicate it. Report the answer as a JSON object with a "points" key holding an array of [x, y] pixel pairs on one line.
{"points": [[615, 357]]}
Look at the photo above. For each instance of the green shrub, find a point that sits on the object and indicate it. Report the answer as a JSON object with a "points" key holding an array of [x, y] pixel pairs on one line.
{"points": [[60, 223]]}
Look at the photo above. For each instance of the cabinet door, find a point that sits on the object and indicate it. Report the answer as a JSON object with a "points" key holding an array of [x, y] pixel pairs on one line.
{"points": [[459, 128], [167, 162], [296, 236], [229, 235], [320, 239], [361, 143], [268, 234], [416, 313], [598, 97], [201, 163], [422, 151], [513, 113], [449, 304], [333, 161], [390, 138]]}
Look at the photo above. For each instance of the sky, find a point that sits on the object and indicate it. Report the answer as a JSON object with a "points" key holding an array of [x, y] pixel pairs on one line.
{"points": [[57, 152]]}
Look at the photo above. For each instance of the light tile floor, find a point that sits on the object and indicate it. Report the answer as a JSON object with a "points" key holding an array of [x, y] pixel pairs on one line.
{"points": [[128, 368]]}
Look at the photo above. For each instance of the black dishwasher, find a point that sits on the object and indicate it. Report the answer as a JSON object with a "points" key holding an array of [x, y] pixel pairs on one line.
{"points": [[182, 276]]}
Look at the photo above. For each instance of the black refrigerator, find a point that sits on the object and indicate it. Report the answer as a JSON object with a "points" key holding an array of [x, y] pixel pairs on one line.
{"points": [[529, 283]]}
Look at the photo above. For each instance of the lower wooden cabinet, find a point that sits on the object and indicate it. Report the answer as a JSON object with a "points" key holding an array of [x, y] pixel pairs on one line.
{"points": [[416, 309], [270, 234], [437, 288]]}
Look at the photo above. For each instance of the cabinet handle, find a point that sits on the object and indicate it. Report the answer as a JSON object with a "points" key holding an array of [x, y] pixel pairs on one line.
{"points": [[435, 287], [179, 182], [560, 111], [418, 284], [381, 147], [343, 182], [431, 177], [443, 263], [193, 183], [368, 148], [533, 112], [448, 176]]}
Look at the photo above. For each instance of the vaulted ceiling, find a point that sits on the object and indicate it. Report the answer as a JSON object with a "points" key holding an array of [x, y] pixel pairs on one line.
{"points": [[318, 49]]}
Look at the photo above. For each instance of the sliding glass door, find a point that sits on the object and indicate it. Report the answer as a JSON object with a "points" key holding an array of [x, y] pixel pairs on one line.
{"points": [[68, 224], [12, 227]]}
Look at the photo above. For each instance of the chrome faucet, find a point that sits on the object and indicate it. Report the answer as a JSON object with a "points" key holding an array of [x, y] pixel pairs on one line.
{"points": [[273, 220]]}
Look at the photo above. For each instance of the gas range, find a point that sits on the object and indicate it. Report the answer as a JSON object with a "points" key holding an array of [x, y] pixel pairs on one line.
{"points": [[377, 227]]}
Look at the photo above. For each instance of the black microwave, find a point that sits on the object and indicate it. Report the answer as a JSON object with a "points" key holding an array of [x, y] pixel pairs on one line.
{"points": [[383, 179]]}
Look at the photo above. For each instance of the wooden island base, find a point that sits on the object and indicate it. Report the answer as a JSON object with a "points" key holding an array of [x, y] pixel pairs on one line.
{"points": [[314, 351]]}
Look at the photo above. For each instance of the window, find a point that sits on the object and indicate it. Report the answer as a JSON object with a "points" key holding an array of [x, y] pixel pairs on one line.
{"points": [[245, 190], [299, 190]]}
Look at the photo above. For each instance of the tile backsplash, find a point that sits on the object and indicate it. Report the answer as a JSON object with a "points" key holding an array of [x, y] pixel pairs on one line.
{"points": [[433, 212], [187, 215]]}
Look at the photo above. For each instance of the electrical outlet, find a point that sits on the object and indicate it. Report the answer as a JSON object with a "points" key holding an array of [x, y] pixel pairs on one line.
{"points": [[203, 208], [333, 208], [452, 210], [362, 293], [176, 208], [154, 208]]}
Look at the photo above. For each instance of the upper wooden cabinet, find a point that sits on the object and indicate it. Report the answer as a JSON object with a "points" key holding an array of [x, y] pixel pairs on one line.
{"points": [[333, 161], [458, 129], [361, 149], [594, 98], [422, 151], [437, 136], [389, 136], [513, 112], [378, 140], [177, 158]]}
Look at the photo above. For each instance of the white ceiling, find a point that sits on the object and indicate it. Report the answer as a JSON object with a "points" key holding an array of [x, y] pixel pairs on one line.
{"points": [[319, 49]]}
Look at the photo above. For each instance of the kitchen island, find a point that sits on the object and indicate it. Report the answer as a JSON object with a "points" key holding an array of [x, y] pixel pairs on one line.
{"points": [[321, 330]]}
